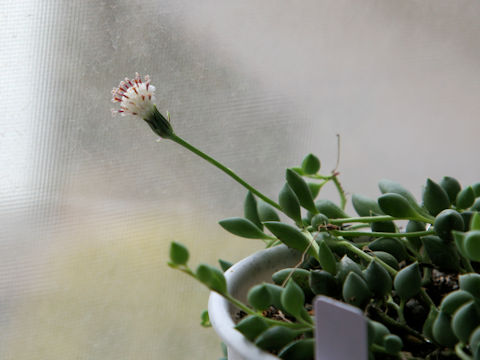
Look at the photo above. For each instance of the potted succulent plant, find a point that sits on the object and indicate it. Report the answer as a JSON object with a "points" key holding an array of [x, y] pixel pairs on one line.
{"points": [[412, 268]]}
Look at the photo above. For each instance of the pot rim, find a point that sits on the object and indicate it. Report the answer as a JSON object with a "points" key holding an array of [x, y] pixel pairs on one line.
{"points": [[221, 312]]}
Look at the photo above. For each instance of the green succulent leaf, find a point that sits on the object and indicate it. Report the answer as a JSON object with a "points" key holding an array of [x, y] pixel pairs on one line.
{"points": [[224, 264], [452, 188], [323, 283], [376, 332], [326, 258], [330, 209], [300, 276], [212, 277], [378, 279], [251, 326], [396, 205], [178, 253], [310, 164], [389, 186], [454, 300], [319, 220], [459, 238], [266, 212], [475, 341], [390, 245], [476, 189], [442, 330], [472, 245], [259, 297], [465, 198], [205, 319], [435, 198], [365, 206], [441, 254], [275, 338], [471, 283], [292, 237], [290, 204], [345, 266], [383, 226], [447, 221], [250, 210], [475, 221], [293, 298], [243, 228], [301, 189], [302, 349], [464, 321], [387, 258], [392, 344], [428, 324], [408, 281], [315, 188], [355, 290]]}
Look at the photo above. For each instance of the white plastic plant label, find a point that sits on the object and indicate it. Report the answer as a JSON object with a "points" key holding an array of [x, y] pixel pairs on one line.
{"points": [[340, 331]]}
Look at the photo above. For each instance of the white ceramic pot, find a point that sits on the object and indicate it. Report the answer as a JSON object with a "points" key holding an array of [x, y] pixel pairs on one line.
{"points": [[248, 272]]}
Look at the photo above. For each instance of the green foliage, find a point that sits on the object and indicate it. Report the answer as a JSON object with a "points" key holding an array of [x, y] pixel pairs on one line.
{"points": [[310, 164], [243, 228], [391, 272], [289, 203], [435, 198], [178, 254], [408, 281], [301, 189]]}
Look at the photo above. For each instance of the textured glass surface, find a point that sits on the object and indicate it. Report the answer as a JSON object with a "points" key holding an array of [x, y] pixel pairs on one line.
{"points": [[89, 203]]}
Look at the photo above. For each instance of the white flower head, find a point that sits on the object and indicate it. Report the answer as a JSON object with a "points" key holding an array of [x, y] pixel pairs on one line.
{"points": [[135, 96]]}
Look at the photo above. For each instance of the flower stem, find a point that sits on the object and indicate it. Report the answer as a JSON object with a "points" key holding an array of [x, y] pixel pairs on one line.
{"points": [[364, 219], [226, 170]]}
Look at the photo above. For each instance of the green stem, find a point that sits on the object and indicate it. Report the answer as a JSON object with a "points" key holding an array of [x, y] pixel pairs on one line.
{"points": [[380, 234], [341, 193], [362, 219], [460, 353], [226, 170]]}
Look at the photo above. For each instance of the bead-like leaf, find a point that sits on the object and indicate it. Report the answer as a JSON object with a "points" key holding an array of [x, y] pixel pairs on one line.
{"points": [[453, 301], [243, 228], [311, 164], [178, 253], [435, 198], [365, 206], [315, 188], [330, 209], [447, 221], [408, 281], [396, 205], [323, 283], [388, 186], [292, 237], [471, 283], [289, 203], [212, 277], [465, 198], [293, 298], [392, 344], [345, 266], [464, 321], [326, 258], [259, 297], [301, 189], [251, 326], [472, 245], [390, 245], [250, 210], [225, 265], [442, 254], [378, 279], [302, 349], [355, 290], [275, 338], [452, 187], [266, 212], [300, 276]]}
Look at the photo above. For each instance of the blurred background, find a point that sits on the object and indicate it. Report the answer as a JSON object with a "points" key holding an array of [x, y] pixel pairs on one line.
{"points": [[90, 203]]}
